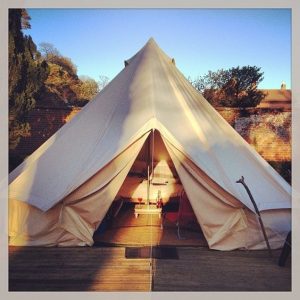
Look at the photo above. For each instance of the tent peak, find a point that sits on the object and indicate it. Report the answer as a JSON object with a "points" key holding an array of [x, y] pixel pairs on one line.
{"points": [[149, 49], [152, 43], [151, 40]]}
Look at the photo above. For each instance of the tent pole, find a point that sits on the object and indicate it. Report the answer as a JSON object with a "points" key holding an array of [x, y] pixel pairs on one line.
{"points": [[242, 181], [148, 170], [150, 161], [148, 186]]}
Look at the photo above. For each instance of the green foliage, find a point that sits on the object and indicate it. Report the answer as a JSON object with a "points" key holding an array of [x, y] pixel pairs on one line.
{"points": [[27, 74], [35, 77], [236, 87]]}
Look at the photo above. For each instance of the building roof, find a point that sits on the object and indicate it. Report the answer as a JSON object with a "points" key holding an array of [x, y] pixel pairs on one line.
{"points": [[277, 95]]}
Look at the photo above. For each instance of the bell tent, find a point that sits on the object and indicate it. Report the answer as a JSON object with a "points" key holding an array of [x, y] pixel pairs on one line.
{"points": [[60, 194]]}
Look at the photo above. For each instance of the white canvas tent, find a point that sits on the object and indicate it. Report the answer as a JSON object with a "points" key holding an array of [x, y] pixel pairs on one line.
{"points": [[60, 194]]}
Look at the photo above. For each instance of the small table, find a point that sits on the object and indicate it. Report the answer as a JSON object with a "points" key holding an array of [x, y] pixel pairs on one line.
{"points": [[147, 210]]}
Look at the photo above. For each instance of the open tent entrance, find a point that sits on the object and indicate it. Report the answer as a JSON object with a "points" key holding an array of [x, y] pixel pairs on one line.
{"points": [[151, 207]]}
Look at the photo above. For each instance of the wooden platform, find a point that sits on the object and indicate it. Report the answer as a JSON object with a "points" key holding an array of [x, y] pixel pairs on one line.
{"points": [[107, 269], [148, 229], [201, 269], [76, 269], [100, 268]]}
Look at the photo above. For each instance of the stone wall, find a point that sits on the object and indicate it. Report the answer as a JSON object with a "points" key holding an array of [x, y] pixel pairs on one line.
{"points": [[267, 130]]}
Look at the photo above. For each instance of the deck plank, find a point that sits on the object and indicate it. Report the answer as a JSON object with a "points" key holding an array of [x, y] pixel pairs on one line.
{"points": [[207, 270], [107, 269], [76, 269]]}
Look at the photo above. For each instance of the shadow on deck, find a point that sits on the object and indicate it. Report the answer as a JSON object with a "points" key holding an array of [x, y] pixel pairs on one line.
{"points": [[76, 269], [107, 269]]}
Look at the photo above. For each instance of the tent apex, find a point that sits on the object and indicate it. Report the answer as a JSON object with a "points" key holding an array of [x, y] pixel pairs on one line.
{"points": [[151, 40]]}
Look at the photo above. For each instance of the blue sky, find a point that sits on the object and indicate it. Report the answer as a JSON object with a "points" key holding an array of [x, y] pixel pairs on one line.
{"points": [[99, 40]]}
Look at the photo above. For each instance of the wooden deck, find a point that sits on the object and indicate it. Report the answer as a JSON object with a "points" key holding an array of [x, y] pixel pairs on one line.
{"points": [[103, 268], [126, 230], [207, 270], [76, 269], [107, 269]]}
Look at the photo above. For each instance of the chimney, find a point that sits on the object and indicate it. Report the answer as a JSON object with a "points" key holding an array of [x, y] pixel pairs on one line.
{"points": [[283, 85]]}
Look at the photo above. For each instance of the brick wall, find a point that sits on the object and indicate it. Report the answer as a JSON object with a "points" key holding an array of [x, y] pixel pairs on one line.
{"points": [[44, 122]]}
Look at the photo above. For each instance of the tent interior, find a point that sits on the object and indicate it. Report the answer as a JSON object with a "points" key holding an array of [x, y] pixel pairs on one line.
{"points": [[151, 183]]}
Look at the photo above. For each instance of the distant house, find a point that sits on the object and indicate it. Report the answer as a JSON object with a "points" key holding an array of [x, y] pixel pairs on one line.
{"points": [[277, 98]]}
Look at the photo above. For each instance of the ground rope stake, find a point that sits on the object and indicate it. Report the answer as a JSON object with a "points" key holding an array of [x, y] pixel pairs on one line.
{"points": [[242, 181]]}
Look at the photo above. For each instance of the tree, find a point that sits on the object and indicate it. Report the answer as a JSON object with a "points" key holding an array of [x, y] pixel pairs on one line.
{"points": [[52, 55], [62, 86], [66, 63], [25, 19], [27, 74], [88, 89], [48, 50], [63, 80], [236, 87], [103, 82]]}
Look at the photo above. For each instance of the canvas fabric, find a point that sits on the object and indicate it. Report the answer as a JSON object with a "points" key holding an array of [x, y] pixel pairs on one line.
{"points": [[63, 190], [73, 220]]}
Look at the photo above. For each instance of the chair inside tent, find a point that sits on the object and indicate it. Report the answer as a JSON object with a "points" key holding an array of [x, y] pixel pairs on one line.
{"points": [[151, 207]]}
